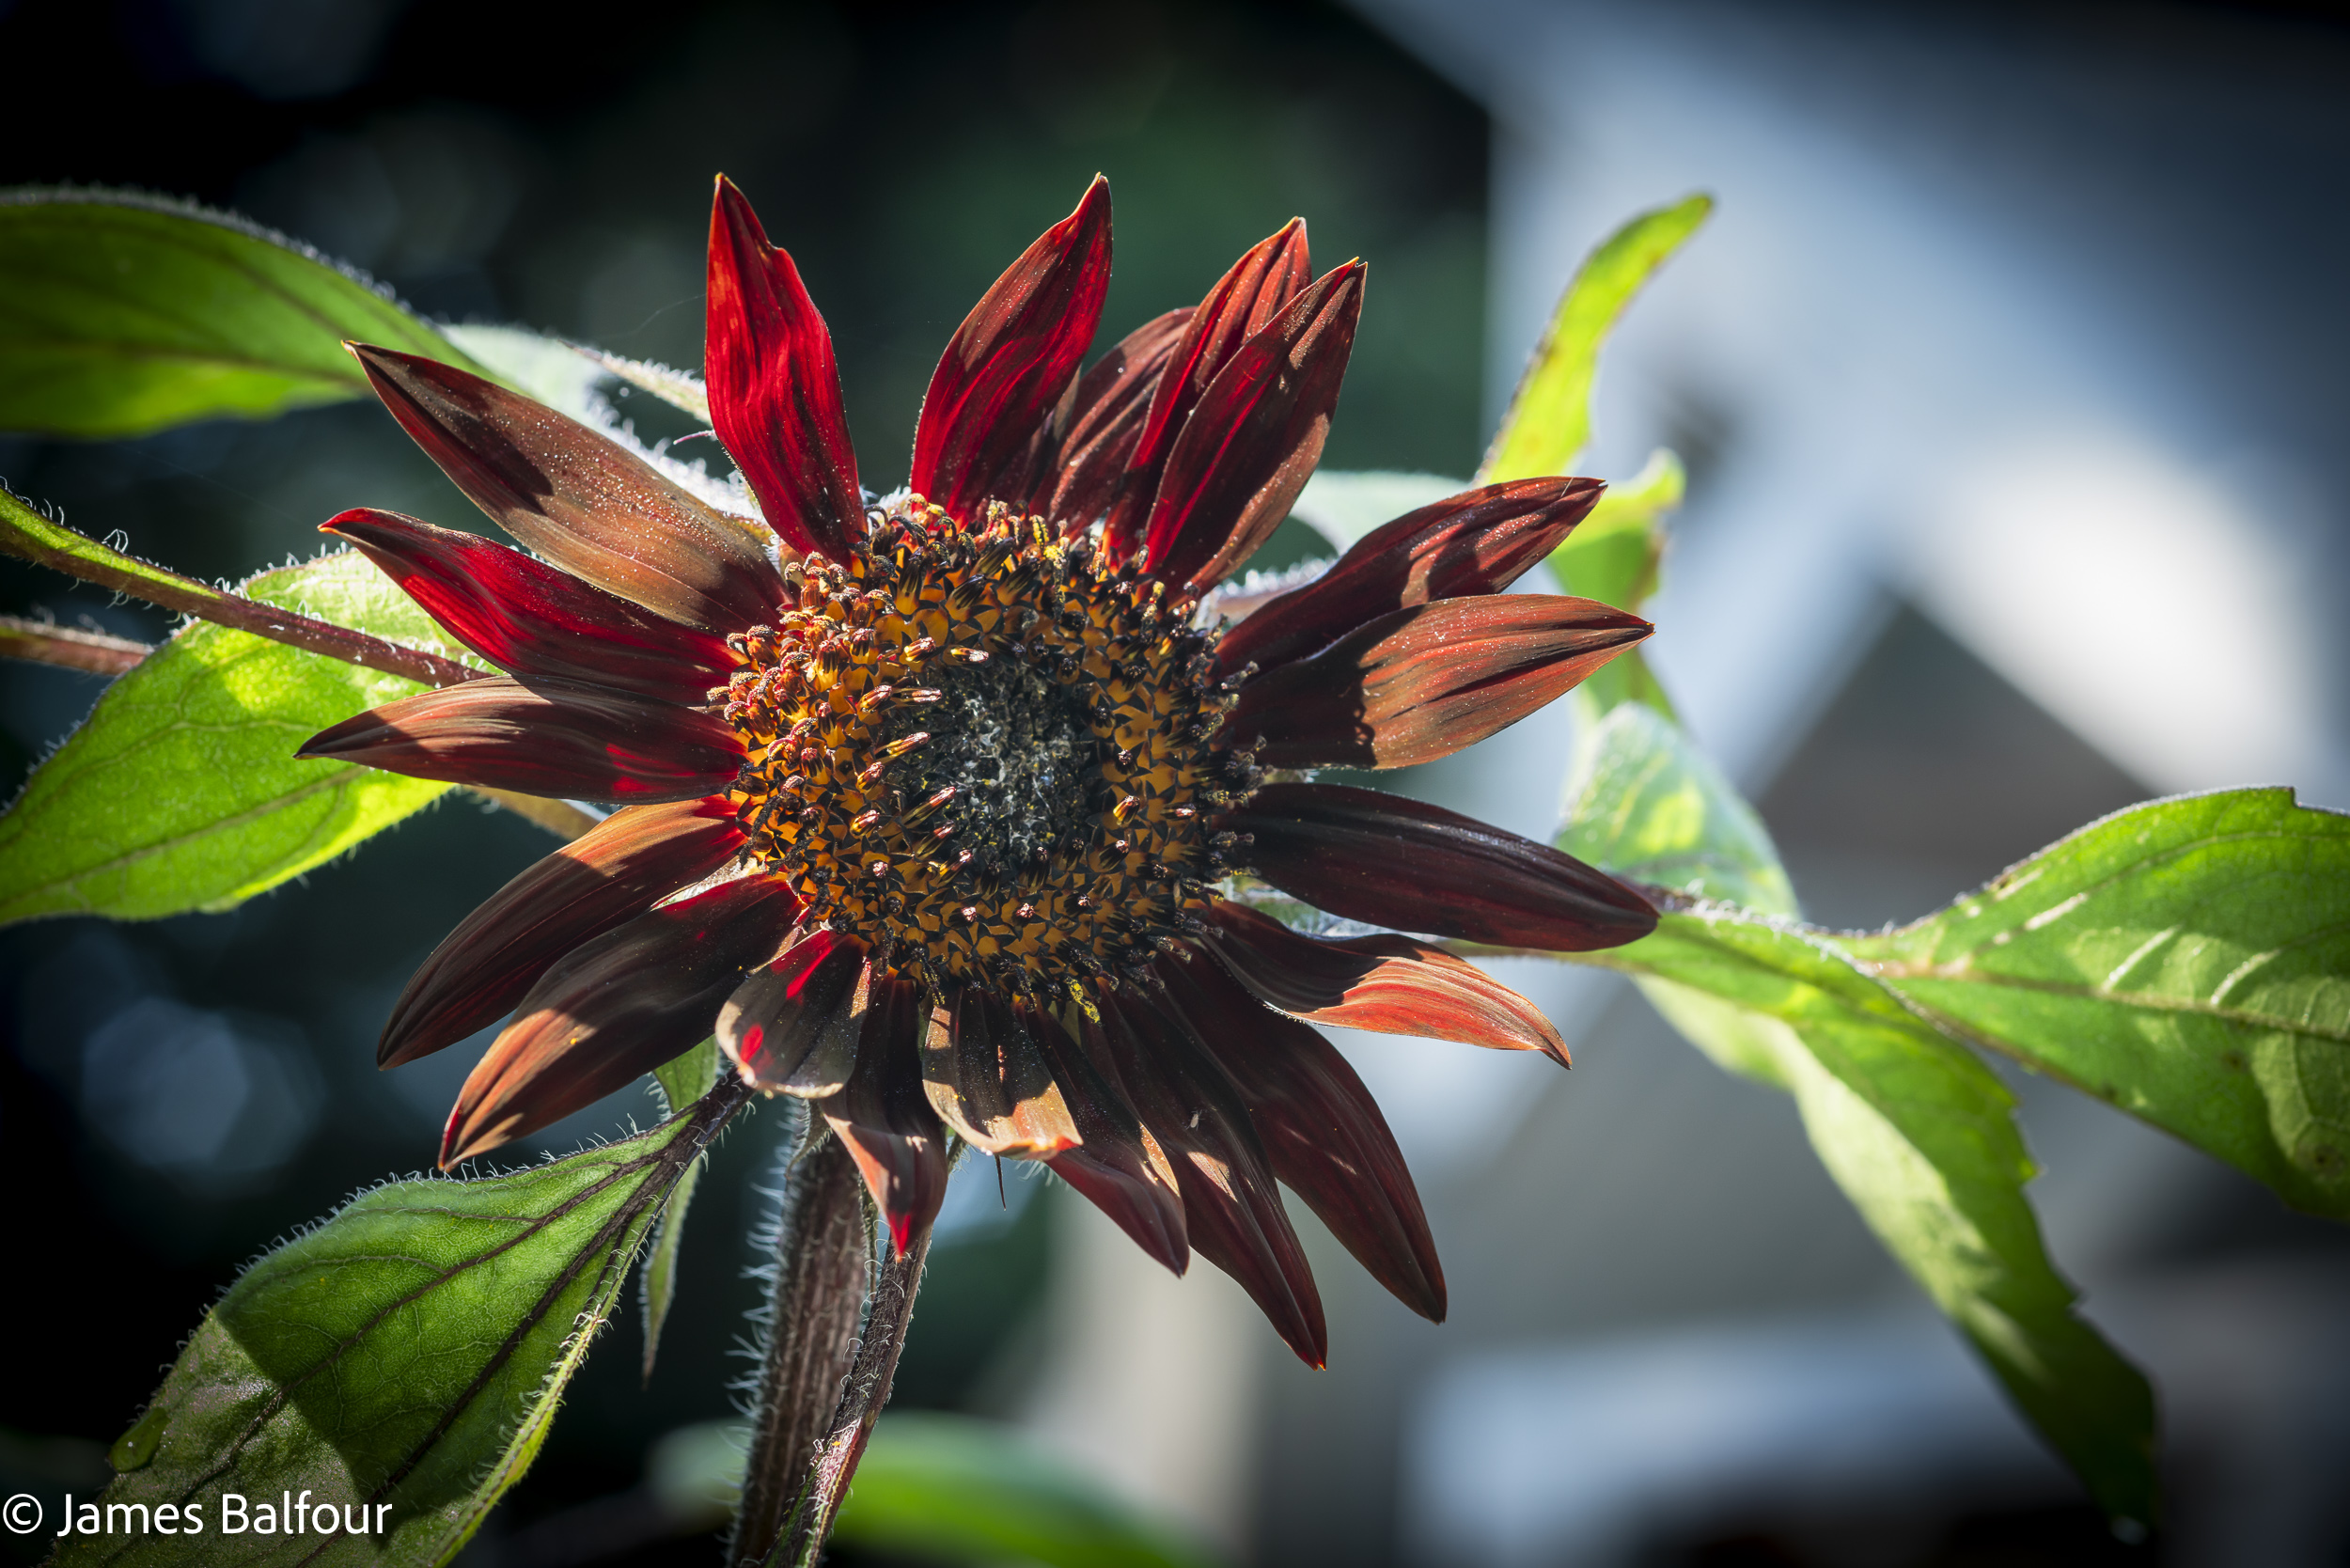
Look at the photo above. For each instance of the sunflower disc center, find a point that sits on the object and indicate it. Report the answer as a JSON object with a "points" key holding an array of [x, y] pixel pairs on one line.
{"points": [[986, 752]]}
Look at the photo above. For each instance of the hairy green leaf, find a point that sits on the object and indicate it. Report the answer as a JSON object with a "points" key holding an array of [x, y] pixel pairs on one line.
{"points": [[1648, 805], [2187, 959], [684, 1080], [181, 790], [1549, 420], [406, 1354], [1919, 1133], [122, 313], [950, 1489]]}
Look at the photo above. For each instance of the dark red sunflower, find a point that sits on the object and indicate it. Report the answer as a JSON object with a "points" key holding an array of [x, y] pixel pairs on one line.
{"points": [[936, 806]]}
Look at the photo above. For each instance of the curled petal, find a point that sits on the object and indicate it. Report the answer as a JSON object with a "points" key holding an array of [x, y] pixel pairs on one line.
{"points": [[793, 1025], [774, 390], [1119, 1167], [528, 618], [619, 1006], [1232, 1208], [1322, 1131], [1253, 439], [1103, 421], [1243, 303], [1479, 542], [1389, 861], [1387, 984], [612, 873], [585, 502], [884, 1119], [1422, 683], [989, 1080], [557, 738], [1005, 366]]}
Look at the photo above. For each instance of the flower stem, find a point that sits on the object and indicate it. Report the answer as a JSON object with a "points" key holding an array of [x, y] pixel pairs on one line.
{"points": [[41, 643], [822, 1383], [26, 534]]}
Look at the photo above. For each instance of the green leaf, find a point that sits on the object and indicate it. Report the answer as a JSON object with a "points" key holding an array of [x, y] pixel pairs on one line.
{"points": [[951, 1489], [1615, 554], [684, 1080], [1645, 803], [408, 1353], [181, 790], [2187, 959], [1342, 507], [122, 313], [1549, 420], [1919, 1133]]}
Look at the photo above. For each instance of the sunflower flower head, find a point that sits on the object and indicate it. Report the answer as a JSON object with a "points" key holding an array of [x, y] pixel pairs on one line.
{"points": [[946, 811]]}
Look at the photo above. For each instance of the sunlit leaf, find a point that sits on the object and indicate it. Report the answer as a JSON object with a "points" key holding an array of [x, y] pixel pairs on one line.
{"points": [[1614, 555], [1549, 420], [2187, 959], [122, 313], [181, 790], [1645, 803], [406, 1354], [1919, 1133], [684, 1080], [1344, 505]]}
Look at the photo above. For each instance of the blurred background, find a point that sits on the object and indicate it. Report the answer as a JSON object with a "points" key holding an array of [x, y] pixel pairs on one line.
{"points": [[2008, 377]]}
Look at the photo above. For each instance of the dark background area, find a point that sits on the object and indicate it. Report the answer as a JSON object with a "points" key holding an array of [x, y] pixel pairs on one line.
{"points": [[178, 1095]]}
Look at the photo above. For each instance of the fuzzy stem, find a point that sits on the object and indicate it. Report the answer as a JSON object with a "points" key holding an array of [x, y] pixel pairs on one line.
{"points": [[26, 534], [821, 1269], [94, 653], [861, 1401]]}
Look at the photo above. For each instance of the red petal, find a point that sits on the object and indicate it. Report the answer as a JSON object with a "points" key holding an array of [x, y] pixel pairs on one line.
{"points": [[775, 391], [1422, 683], [1243, 303], [525, 616], [1231, 1210], [1120, 1169], [555, 738], [1250, 446], [1106, 417], [1005, 366], [793, 1025], [991, 1082], [619, 1006], [1390, 861], [585, 503], [882, 1119], [1322, 1131], [1478, 542], [1387, 984], [614, 873]]}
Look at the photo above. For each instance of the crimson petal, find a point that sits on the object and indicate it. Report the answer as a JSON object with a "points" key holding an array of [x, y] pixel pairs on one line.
{"points": [[562, 739], [585, 503], [882, 1119], [1381, 858], [1424, 681], [1478, 542], [1005, 366], [774, 389], [1232, 1208], [619, 1006], [1243, 303], [1103, 421], [1120, 1169], [1322, 1131], [525, 617], [793, 1025], [1254, 438], [991, 1082], [1387, 984], [613, 872]]}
